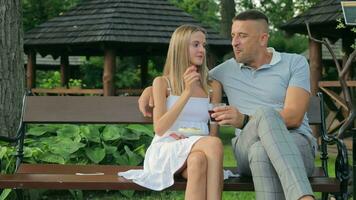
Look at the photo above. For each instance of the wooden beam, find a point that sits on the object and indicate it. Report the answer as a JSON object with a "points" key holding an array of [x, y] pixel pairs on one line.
{"points": [[336, 83], [336, 97], [109, 69], [315, 65], [31, 70], [65, 91], [64, 70]]}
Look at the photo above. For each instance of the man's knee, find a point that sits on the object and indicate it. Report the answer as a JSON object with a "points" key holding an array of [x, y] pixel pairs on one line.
{"points": [[265, 112], [257, 153]]}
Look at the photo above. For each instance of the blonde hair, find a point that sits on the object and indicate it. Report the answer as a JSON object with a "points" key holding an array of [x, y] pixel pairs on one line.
{"points": [[177, 60]]}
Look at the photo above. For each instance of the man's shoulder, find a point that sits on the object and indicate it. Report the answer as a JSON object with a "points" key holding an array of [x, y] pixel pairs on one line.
{"points": [[288, 56], [227, 62]]}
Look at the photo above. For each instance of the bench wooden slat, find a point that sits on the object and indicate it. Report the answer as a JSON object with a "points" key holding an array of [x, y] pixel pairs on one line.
{"points": [[53, 176], [83, 109]]}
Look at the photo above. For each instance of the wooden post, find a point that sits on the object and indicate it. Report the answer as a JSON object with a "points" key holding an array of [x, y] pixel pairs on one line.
{"points": [[64, 70], [109, 69], [315, 65], [31, 70], [144, 70], [315, 72]]}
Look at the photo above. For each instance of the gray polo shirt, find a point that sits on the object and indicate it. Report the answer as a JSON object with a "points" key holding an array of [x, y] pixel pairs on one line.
{"points": [[248, 89]]}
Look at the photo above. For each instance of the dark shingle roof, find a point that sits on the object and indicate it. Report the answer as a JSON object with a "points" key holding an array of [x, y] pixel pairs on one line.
{"points": [[125, 24], [322, 19]]}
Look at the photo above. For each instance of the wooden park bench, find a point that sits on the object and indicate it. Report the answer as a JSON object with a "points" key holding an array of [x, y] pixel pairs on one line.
{"points": [[124, 110]]}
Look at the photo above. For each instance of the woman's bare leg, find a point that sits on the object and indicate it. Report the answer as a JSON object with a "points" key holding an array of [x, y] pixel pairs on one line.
{"points": [[213, 150], [195, 173]]}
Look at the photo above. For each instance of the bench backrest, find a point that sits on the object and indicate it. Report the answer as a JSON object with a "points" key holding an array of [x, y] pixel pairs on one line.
{"points": [[83, 109], [98, 109]]}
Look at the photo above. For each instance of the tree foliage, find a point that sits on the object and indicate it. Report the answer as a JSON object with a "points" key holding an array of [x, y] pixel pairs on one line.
{"points": [[36, 12], [205, 11]]}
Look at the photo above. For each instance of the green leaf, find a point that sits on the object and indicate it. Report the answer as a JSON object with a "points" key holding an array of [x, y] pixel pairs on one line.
{"points": [[128, 135], [5, 193], [65, 146], [109, 148], [40, 130], [138, 128], [140, 150], [112, 132], [91, 133], [68, 131], [96, 155], [134, 159], [3, 151], [121, 159], [52, 158]]}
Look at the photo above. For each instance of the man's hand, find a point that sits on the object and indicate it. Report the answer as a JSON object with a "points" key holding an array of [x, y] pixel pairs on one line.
{"points": [[228, 115], [145, 102]]}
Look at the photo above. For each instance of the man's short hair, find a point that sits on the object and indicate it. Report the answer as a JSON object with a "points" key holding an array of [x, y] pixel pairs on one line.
{"points": [[251, 15]]}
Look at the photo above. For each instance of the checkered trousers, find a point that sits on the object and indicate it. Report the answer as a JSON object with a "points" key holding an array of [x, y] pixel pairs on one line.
{"points": [[272, 155]]}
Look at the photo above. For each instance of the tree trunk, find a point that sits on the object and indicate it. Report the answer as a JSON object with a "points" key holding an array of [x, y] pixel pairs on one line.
{"points": [[12, 76], [227, 11]]}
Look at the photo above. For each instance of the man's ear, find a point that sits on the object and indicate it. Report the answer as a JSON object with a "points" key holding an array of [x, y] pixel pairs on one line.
{"points": [[264, 39]]}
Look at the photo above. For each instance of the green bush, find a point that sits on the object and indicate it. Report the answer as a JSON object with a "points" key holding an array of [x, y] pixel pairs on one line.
{"points": [[79, 144], [87, 144], [48, 79]]}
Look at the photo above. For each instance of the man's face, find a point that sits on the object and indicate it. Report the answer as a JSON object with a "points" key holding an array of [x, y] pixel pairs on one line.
{"points": [[245, 40]]}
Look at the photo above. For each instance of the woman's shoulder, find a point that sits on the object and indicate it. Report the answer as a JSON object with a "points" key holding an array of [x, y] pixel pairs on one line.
{"points": [[160, 82]]}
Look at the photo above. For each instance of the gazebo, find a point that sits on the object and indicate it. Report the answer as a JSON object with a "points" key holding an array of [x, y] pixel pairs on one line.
{"points": [[111, 28], [322, 19]]}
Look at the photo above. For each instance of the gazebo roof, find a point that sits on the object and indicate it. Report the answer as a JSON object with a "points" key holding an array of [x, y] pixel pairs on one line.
{"points": [[322, 19], [132, 27]]}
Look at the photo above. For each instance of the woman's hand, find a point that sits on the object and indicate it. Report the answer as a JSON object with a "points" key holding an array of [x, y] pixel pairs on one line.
{"points": [[177, 136], [191, 78]]}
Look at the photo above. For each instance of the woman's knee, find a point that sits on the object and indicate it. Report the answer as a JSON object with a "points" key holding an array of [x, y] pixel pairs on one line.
{"points": [[197, 163], [214, 146]]}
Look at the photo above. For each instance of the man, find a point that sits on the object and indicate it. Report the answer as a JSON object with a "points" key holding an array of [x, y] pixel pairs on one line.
{"points": [[268, 94]]}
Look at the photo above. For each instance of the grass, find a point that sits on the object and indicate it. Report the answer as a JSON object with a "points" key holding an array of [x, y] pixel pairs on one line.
{"points": [[227, 134]]}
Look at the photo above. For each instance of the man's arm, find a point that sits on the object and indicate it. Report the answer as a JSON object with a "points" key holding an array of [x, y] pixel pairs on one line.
{"points": [[295, 106], [145, 102]]}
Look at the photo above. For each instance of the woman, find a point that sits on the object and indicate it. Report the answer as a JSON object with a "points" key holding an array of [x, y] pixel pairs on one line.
{"points": [[182, 96]]}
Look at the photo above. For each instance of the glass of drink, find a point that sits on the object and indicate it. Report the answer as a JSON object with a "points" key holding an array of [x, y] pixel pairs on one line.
{"points": [[211, 111]]}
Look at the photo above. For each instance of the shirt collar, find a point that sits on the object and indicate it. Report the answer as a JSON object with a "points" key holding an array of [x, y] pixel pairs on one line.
{"points": [[276, 57]]}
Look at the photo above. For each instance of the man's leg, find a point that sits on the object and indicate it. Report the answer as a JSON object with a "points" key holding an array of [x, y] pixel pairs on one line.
{"points": [[279, 153]]}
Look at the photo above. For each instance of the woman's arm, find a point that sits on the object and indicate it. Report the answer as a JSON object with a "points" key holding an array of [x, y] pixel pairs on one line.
{"points": [[216, 97]]}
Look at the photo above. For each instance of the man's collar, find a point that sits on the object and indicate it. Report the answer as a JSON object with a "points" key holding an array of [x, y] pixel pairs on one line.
{"points": [[276, 57]]}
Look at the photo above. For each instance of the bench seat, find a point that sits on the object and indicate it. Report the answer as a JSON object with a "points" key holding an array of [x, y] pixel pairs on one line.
{"points": [[54, 176]]}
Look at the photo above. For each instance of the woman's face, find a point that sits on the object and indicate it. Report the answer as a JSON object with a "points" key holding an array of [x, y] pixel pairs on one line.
{"points": [[197, 48]]}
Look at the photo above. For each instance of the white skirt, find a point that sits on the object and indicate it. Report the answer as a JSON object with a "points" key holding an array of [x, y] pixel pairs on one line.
{"points": [[164, 157]]}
